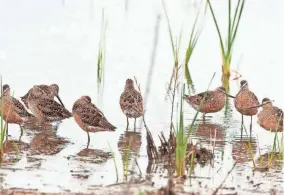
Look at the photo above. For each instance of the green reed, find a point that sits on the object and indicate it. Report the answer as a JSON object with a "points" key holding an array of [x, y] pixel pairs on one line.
{"points": [[281, 146], [233, 24], [181, 142], [3, 126], [276, 143], [101, 53], [194, 36], [175, 47]]}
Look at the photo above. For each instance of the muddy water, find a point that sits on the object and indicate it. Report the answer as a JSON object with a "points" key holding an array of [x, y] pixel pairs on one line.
{"points": [[57, 42]]}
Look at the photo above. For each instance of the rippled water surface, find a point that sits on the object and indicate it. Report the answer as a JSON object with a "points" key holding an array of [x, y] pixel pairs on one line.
{"points": [[44, 42]]}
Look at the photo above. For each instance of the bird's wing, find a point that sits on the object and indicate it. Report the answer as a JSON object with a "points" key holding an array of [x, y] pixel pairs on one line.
{"points": [[20, 109]]}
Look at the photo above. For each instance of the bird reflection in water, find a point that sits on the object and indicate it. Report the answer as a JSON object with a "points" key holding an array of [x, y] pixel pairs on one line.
{"points": [[242, 148], [45, 140], [13, 151], [129, 144], [211, 132]]}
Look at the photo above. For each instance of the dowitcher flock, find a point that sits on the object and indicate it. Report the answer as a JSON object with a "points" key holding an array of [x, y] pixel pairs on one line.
{"points": [[40, 101]]}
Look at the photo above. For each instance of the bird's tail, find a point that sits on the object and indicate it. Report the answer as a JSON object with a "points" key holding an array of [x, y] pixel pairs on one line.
{"points": [[107, 125]]}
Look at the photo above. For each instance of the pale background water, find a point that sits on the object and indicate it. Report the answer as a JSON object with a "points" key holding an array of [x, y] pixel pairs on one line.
{"points": [[44, 42]]}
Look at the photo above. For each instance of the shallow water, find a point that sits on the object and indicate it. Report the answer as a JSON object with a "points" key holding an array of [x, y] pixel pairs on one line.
{"points": [[57, 42]]}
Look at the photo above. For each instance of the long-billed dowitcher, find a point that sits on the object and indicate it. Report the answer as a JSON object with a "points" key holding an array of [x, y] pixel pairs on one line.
{"points": [[214, 101], [270, 117], [13, 110], [89, 117], [47, 110], [43, 91], [131, 102], [243, 101]]}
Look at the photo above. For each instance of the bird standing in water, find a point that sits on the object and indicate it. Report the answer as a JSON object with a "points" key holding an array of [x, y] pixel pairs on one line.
{"points": [[270, 117], [244, 100], [45, 109], [43, 91], [214, 101], [89, 117], [131, 102], [12, 109]]}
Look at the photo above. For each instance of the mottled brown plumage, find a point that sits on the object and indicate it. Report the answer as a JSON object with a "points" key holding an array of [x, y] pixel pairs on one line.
{"points": [[47, 110], [89, 117], [244, 100], [270, 117], [214, 101], [13, 110], [42, 91], [131, 102]]}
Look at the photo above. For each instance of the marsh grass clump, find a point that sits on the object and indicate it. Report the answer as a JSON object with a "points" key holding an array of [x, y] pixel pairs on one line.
{"points": [[183, 137], [233, 25], [181, 141], [270, 159], [175, 46]]}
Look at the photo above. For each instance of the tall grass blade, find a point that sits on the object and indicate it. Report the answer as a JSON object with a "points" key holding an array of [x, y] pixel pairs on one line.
{"points": [[217, 27], [194, 36], [169, 28], [235, 29], [101, 56], [175, 49], [114, 161]]}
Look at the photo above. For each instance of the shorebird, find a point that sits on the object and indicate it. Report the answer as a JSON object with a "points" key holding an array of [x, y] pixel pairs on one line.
{"points": [[12, 109], [47, 110], [43, 91], [89, 117], [270, 117], [214, 101], [131, 102], [243, 101]]}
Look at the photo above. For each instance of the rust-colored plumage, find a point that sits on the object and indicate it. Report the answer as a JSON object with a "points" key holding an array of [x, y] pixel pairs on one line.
{"points": [[270, 117], [131, 102], [47, 110], [244, 100], [214, 101], [42, 91], [13, 110], [89, 117]]}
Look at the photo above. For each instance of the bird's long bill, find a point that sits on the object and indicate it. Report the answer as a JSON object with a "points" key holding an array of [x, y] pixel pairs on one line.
{"points": [[258, 105], [231, 96], [60, 101]]}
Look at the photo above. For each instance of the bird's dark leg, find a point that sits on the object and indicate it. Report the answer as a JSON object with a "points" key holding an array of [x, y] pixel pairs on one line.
{"points": [[22, 132], [242, 124], [134, 124], [6, 131], [250, 127], [203, 117], [127, 123], [88, 140]]}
